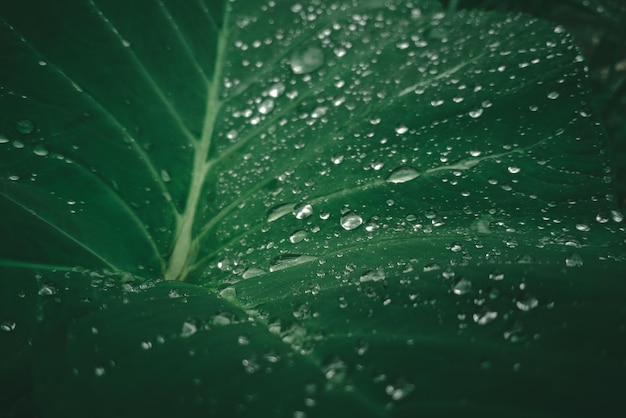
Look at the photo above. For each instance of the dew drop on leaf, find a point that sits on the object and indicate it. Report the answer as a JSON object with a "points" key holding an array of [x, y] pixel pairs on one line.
{"points": [[40, 151], [298, 236], [188, 329], [276, 90], [337, 159], [475, 113], [401, 129], [302, 210], [574, 260], [7, 326], [3, 139], [553, 95], [399, 390], [485, 317], [402, 175], [372, 276], [289, 260], [350, 221], [526, 304], [25, 126], [462, 286], [266, 106], [279, 211], [306, 60]]}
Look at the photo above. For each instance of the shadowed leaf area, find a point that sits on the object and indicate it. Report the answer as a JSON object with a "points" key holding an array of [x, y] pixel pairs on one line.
{"points": [[302, 209]]}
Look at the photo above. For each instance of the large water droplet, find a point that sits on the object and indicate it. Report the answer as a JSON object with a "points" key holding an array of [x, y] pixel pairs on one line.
{"points": [[289, 260], [350, 221], [279, 211], [306, 60], [302, 210], [298, 236], [7, 326], [402, 175]]}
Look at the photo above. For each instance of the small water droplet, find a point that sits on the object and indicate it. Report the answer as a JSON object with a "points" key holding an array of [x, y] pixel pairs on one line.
{"points": [[3, 139], [25, 126], [252, 272], [337, 159], [7, 326], [401, 129], [276, 90], [335, 370], [399, 390], [553, 95], [475, 113], [350, 221], [266, 106], [377, 165], [188, 329], [232, 135], [462, 287], [485, 317], [526, 304], [402, 175], [40, 151], [307, 60], [574, 260], [372, 276], [165, 176], [229, 293], [99, 371], [513, 169], [302, 210]]}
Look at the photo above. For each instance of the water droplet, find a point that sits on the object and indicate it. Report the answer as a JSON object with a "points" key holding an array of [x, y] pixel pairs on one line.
{"points": [[377, 165], [476, 113], [146, 345], [48, 289], [250, 365], [574, 260], [402, 175], [462, 287], [3, 139], [243, 340], [372, 276], [307, 60], [553, 95], [617, 216], [399, 390], [401, 129], [252, 272], [266, 106], [276, 90], [25, 126], [583, 227], [7, 326], [40, 151], [350, 221], [513, 169], [337, 159], [526, 304], [99, 371], [279, 211], [232, 135], [189, 328], [165, 176], [485, 317], [298, 236], [302, 210], [289, 260], [335, 370], [229, 293]]}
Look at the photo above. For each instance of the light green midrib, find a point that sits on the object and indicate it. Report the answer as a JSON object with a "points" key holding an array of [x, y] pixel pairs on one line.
{"points": [[183, 251]]}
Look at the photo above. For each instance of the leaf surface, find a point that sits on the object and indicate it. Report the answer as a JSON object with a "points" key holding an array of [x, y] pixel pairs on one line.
{"points": [[377, 208]]}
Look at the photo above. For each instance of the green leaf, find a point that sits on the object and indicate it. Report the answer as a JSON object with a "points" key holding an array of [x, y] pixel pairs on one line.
{"points": [[378, 208]]}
